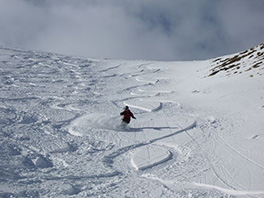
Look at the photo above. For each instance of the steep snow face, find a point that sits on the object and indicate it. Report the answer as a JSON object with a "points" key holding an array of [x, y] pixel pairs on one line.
{"points": [[198, 130]]}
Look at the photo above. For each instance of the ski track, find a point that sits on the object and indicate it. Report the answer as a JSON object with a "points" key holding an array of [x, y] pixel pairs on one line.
{"points": [[240, 154], [61, 136]]}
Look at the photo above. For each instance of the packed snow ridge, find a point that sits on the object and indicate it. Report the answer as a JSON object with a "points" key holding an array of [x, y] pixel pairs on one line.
{"points": [[198, 131]]}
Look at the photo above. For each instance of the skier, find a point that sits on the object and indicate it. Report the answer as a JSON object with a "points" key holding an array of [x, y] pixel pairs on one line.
{"points": [[126, 115]]}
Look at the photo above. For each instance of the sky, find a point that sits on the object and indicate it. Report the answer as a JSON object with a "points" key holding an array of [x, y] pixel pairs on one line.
{"points": [[164, 30]]}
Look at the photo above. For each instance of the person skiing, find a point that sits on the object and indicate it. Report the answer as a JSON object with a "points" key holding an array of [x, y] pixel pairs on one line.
{"points": [[126, 115]]}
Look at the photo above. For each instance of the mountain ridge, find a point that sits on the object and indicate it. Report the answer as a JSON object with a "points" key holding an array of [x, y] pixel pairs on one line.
{"points": [[252, 59]]}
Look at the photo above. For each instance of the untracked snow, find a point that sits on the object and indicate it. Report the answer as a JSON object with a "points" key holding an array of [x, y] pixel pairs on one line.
{"points": [[198, 131]]}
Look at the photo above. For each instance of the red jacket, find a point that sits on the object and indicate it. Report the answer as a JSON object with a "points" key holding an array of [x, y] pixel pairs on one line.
{"points": [[127, 114]]}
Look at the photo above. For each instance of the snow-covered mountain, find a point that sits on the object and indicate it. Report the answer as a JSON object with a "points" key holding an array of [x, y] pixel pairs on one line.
{"points": [[198, 131]]}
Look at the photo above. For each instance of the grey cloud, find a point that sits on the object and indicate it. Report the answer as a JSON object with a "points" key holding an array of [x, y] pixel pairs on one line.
{"points": [[140, 29]]}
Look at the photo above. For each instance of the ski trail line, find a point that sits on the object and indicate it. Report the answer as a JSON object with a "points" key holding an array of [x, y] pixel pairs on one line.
{"points": [[109, 158], [212, 165], [239, 153], [228, 191]]}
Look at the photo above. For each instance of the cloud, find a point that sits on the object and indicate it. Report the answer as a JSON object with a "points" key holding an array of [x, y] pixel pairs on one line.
{"points": [[140, 29]]}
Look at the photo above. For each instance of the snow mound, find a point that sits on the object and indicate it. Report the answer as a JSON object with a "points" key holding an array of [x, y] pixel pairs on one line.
{"points": [[150, 156]]}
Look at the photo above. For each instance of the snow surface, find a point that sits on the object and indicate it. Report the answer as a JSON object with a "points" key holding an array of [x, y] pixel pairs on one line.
{"points": [[199, 130]]}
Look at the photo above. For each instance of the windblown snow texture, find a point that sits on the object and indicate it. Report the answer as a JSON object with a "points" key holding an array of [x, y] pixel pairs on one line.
{"points": [[198, 132]]}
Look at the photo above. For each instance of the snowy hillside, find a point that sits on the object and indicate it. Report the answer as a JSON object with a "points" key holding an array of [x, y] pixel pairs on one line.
{"points": [[198, 131]]}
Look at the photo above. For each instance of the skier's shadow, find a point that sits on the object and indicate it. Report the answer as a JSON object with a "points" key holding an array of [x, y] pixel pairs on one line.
{"points": [[139, 129]]}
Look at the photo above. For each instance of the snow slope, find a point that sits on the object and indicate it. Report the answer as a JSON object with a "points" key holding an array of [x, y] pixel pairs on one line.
{"points": [[199, 130]]}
